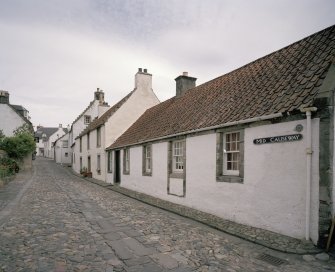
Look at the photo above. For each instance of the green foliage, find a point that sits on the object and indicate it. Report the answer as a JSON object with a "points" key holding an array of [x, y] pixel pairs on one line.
{"points": [[2, 135], [8, 166], [25, 128], [18, 146]]}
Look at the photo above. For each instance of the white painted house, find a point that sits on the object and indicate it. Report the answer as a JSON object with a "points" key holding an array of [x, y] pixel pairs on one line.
{"points": [[96, 108], [12, 116], [63, 151], [254, 146], [50, 140], [102, 132], [42, 134]]}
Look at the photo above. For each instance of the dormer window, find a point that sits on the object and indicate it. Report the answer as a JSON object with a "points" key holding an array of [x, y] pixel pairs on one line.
{"points": [[87, 119]]}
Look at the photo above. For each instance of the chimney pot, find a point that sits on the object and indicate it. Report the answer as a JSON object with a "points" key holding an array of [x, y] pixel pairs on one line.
{"points": [[145, 70], [140, 70], [185, 73], [60, 126]]}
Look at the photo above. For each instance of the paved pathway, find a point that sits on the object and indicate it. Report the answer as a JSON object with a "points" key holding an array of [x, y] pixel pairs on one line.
{"points": [[63, 223]]}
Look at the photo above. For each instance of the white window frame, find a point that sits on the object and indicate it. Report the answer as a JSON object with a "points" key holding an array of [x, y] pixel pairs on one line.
{"points": [[178, 156], [127, 160], [99, 137], [65, 143], [87, 119], [231, 146], [147, 156]]}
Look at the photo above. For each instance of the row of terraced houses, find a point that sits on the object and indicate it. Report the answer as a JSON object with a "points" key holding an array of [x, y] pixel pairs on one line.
{"points": [[254, 146]]}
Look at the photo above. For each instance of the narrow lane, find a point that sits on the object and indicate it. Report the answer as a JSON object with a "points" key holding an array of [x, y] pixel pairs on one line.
{"points": [[64, 223]]}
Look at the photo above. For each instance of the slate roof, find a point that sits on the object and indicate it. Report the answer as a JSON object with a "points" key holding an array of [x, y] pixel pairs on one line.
{"points": [[103, 118], [48, 131], [282, 81]]}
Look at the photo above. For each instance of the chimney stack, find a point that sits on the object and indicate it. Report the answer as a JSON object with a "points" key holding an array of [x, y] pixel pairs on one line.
{"points": [[4, 97], [99, 95], [60, 125], [143, 79], [184, 83]]}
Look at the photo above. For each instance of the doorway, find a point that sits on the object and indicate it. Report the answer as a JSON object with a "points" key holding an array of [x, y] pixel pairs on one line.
{"points": [[117, 174]]}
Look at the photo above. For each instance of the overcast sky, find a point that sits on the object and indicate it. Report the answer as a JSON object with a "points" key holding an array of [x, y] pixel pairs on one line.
{"points": [[55, 53]]}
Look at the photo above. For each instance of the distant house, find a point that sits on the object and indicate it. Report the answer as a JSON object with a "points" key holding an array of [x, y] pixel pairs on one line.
{"points": [[63, 150], [254, 146], [12, 116], [96, 108], [42, 134], [46, 138], [102, 132]]}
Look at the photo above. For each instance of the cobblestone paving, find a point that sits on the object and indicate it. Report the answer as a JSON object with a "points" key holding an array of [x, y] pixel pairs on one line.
{"points": [[64, 223]]}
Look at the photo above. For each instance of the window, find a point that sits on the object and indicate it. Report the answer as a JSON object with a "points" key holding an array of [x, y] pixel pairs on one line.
{"points": [[80, 144], [177, 156], [65, 144], [98, 164], [98, 136], [230, 156], [87, 119], [81, 163], [66, 154], [147, 160], [231, 153], [110, 161], [126, 161], [88, 141]]}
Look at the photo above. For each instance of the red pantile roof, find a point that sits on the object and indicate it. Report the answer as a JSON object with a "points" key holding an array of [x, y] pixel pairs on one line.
{"points": [[279, 82], [103, 118]]}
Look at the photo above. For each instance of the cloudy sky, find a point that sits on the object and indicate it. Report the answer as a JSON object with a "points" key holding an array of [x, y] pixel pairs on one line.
{"points": [[55, 53]]}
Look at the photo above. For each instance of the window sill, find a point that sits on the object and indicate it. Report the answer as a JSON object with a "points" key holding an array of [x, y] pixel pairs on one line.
{"points": [[126, 173], [147, 174], [177, 175], [229, 179]]}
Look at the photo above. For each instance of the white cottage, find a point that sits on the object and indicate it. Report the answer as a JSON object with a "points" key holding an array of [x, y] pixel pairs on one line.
{"points": [[63, 151], [49, 141], [254, 146], [42, 135], [96, 108], [12, 116], [102, 132]]}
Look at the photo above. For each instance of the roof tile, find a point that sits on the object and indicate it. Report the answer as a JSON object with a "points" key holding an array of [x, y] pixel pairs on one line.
{"points": [[279, 82]]}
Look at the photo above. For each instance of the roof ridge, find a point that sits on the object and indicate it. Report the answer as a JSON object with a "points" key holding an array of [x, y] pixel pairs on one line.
{"points": [[105, 116], [282, 81], [266, 56]]}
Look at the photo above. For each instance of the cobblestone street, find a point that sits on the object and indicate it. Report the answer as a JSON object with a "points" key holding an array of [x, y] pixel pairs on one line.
{"points": [[55, 221]]}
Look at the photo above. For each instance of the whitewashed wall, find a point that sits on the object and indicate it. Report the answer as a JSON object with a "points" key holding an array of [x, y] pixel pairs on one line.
{"points": [[63, 154], [48, 148], [95, 110], [9, 120], [272, 196], [142, 99]]}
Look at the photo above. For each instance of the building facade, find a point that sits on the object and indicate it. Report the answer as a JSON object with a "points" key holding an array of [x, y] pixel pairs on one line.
{"points": [[254, 146], [96, 108], [91, 143], [12, 116]]}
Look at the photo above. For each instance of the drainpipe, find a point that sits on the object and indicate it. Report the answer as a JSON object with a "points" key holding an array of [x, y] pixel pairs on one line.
{"points": [[309, 153]]}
